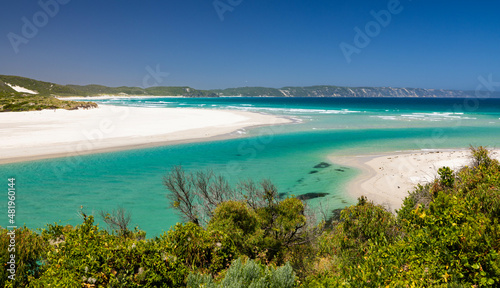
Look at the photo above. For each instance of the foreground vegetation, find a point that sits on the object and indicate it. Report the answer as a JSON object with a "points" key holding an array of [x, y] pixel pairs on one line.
{"points": [[446, 234]]}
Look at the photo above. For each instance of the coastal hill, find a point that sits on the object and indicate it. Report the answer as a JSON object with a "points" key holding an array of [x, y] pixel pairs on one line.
{"points": [[42, 88]]}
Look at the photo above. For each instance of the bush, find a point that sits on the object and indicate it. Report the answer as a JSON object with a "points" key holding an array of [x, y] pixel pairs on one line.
{"points": [[363, 224], [447, 234], [446, 177], [241, 224], [29, 249], [87, 255], [249, 274], [210, 251]]}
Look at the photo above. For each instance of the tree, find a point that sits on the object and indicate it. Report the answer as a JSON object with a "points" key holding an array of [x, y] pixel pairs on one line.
{"points": [[196, 195], [256, 219], [118, 221]]}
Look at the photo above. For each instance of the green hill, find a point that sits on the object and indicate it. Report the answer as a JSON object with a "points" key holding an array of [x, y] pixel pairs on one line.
{"points": [[249, 91], [48, 88], [179, 91], [43, 88], [11, 100]]}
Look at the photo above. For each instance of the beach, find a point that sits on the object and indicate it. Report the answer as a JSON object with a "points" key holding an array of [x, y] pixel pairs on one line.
{"points": [[386, 179], [57, 133]]}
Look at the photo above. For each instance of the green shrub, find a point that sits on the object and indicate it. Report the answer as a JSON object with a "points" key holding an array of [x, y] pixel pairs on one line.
{"points": [[249, 274], [363, 224], [210, 251], [446, 177], [28, 250], [87, 255], [241, 224]]}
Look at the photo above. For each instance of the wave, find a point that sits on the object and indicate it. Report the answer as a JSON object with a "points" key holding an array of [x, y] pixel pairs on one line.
{"points": [[420, 116], [292, 110]]}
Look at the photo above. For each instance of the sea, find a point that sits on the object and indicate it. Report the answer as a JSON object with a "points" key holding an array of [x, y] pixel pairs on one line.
{"points": [[298, 158]]}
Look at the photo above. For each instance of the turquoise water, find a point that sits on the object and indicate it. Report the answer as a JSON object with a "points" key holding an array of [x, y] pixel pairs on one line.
{"points": [[54, 190]]}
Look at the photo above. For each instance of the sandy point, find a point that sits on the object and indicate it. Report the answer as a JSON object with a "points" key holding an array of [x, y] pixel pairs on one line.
{"points": [[57, 133], [387, 178]]}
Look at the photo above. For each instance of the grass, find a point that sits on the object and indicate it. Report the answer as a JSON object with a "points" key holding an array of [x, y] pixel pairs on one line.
{"points": [[16, 103]]}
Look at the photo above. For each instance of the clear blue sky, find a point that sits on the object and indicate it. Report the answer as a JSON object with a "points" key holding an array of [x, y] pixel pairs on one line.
{"points": [[427, 44]]}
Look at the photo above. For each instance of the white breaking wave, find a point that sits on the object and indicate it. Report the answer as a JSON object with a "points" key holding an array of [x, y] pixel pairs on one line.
{"points": [[293, 110], [420, 116]]}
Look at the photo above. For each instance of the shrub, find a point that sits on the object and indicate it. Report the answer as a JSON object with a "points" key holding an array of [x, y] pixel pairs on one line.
{"points": [[210, 251], [363, 223], [249, 274], [446, 177], [87, 255], [29, 249], [241, 224]]}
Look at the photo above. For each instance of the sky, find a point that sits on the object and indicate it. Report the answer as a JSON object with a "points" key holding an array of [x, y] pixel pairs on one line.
{"points": [[207, 44]]}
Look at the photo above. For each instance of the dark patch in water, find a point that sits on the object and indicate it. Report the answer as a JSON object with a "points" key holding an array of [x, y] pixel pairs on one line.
{"points": [[313, 171], [344, 202], [282, 195], [300, 180], [322, 165], [340, 170], [334, 218], [312, 195], [238, 155]]}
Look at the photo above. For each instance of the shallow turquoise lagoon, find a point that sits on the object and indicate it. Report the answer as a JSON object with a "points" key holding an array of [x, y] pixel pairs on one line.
{"points": [[54, 190]]}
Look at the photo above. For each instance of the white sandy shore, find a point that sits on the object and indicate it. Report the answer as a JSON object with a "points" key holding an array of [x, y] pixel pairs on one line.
{"points": [[56, 133], [386, 179]]}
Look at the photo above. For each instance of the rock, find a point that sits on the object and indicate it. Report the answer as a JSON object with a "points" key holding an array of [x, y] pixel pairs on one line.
{"points": [[322, 165], [312, 195]]}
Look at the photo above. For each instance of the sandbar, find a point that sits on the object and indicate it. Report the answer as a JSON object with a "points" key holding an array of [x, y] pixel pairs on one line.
{"points": [[44, 134]]}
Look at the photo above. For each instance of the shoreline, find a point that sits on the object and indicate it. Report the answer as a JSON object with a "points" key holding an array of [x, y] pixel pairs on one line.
{"points": [[37, 135], [387, 178]]}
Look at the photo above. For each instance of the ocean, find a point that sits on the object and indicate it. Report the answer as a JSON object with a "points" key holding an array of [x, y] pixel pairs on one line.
{"points": [[293, 156]]}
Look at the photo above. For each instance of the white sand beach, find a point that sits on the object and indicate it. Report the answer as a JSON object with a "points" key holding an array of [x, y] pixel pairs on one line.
{"points": [[56, 133], [386, 179]]}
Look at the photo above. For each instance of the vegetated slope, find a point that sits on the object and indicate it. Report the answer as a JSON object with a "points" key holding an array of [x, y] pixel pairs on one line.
{"points": [[41, 87], [47, 88], [446, 234], [179, 91], [338, 91], [12, 100], [250, 91]]}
